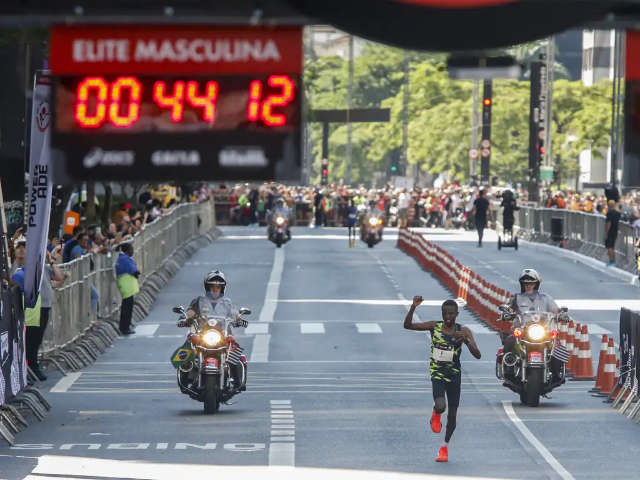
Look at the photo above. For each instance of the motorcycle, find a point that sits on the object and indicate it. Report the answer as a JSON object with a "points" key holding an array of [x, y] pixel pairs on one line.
{"points": [[528, 372], [206, 376], [280, 233], [372, 235]]}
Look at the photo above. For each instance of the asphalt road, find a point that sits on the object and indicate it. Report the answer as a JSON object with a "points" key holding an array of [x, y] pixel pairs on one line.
{"points": [[335, 382]]}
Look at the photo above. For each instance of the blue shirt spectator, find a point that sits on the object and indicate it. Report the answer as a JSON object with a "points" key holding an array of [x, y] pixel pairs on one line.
{"points": [[125, 265]]}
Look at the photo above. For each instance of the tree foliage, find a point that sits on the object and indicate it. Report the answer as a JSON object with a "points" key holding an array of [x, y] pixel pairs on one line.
{"points": [[439, 132]]}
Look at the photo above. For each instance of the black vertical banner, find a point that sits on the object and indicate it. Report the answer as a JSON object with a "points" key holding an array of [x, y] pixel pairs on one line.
{"points": [[485, 165], [534, 139], [625, 344]]}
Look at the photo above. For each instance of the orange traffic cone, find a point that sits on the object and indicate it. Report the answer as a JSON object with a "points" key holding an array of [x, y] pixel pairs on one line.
{"points": [[585, 361], [562, 335], [601, 361], [610, 372], [571, 335]]}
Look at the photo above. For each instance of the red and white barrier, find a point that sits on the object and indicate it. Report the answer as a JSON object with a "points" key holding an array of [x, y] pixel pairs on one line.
{"points": [[472, 290]]}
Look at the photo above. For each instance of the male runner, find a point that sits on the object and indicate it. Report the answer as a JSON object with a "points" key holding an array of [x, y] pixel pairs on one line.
{"points": [[447, 338], [352, 220]]}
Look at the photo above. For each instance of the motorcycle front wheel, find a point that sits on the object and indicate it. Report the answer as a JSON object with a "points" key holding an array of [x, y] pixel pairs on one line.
{"points": [[535, 386], [211, 400]]}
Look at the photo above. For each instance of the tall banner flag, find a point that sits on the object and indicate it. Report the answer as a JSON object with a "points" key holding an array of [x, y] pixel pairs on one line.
{"points": [[40, 188]]}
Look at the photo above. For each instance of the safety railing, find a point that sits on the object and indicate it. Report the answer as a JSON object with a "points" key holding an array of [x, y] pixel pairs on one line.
{"points": [[91, 292], [578, 231]]}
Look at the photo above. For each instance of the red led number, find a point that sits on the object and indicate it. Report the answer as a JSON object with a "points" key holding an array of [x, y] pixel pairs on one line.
{"points": [[119, 102], [112, 112], [207, 101], [173, 102], [263, 110]]}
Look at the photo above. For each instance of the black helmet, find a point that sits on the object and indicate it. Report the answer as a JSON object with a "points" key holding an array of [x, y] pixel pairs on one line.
{"points": [[529, 275], [215, 278]]}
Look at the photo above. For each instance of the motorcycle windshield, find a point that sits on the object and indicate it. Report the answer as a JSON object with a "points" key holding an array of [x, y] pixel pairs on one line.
{"points": [[216, 321], [548, 319]]}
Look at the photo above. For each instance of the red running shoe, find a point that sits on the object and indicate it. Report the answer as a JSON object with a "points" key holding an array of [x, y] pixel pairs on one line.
{"points": [[436, 423], [443, 455]]}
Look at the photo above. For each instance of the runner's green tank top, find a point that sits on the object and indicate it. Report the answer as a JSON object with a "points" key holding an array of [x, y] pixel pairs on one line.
{"points": [[445, 355]]}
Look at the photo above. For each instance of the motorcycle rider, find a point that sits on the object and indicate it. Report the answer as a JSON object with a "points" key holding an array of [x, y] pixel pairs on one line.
{"points": [[372, 212], [280, 209], [530, 299], [214, 303]]}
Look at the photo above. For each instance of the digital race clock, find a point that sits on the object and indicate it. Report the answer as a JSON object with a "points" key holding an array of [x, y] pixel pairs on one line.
{"points": [[177, 103]]}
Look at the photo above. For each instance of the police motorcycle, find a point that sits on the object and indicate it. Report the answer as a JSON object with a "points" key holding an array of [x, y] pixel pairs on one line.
{"points": [[280, 233], [371, 233], [206, 358], [527, 372]]}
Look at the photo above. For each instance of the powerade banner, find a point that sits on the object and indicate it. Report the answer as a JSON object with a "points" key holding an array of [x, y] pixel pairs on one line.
{"points": [[13, 365], [40, 189]]}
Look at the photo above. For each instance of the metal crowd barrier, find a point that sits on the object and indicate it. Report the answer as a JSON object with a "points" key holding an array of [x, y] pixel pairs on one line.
{"points": [[577, 231], [72, 313]]}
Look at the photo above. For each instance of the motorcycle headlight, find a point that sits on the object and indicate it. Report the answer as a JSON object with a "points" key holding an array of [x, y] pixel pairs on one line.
{"points": [[279, 220], [373, 221], [212, 338], [536, 332]]}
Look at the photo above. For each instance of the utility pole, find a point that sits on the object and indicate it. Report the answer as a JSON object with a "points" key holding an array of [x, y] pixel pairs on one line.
{"points": [[616, 99], [475, 125], [308, 150], [349, 107], [404, 165], [548, 139]]}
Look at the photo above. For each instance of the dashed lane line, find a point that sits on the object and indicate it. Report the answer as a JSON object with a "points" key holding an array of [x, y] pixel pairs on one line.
{"points": [[282, 449]]}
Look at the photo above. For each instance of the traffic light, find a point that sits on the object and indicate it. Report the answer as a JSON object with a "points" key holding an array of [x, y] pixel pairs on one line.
{"points": [[324, 180], [542, 150], [393, 168], [487, 102]]}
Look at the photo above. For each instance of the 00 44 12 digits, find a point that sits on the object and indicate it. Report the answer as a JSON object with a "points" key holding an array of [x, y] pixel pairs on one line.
{"points": [[97, 104]]}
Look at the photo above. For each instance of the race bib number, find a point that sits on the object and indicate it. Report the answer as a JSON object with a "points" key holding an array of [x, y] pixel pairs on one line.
{"points": [[441, 355], [352, 215]]}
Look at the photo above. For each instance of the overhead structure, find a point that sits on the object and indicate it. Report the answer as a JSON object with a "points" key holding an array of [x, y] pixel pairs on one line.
{"points": [[454, 25]]}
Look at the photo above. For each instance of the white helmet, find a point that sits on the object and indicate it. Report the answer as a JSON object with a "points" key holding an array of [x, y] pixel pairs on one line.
{"points": [[529, 275], [215, 277]]}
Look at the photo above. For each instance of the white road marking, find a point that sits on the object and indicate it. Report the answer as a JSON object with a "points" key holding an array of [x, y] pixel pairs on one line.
{"points": [[260, 351], [271, 298], [542, 450], [82, 468], [426, 362], [146, 329], [601, 305], [595, 329], [311, 328], [368, 328], [300, 237], [254, 328], [282, 449], [426, 303], [65, 382]]}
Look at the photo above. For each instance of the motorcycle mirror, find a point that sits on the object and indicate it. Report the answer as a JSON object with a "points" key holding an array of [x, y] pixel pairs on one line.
{"points": [[179, 309], [245, 311]]}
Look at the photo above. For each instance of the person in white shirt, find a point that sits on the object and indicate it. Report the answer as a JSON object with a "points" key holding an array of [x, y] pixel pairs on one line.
{"points": [[403, 208]]}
